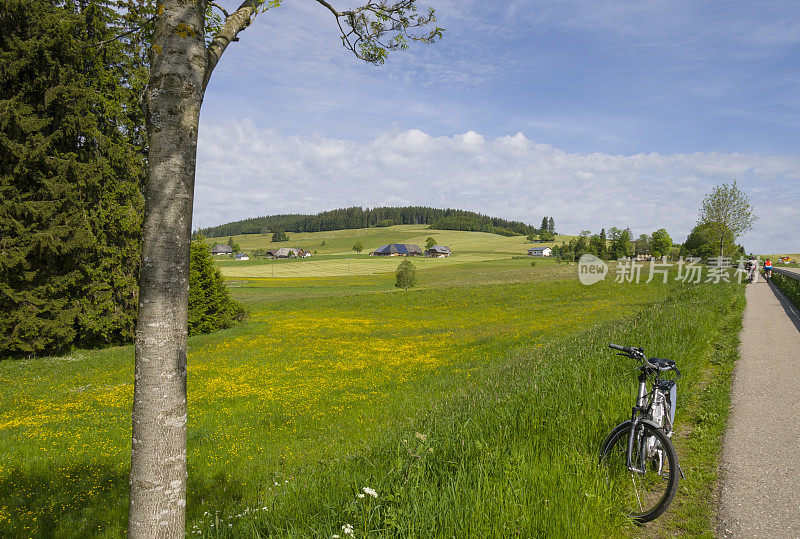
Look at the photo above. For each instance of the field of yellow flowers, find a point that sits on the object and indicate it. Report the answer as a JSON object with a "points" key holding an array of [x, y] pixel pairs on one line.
{"points": [[324, 371]]}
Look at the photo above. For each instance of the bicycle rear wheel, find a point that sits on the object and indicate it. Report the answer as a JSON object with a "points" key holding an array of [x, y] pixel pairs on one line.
{"points": [[644, 495]]}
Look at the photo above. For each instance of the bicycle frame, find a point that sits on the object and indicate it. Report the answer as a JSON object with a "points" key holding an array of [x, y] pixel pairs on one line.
{"points": [[642, 413]]}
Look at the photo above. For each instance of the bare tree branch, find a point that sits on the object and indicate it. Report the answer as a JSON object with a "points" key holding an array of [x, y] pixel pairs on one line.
{"points": [[234, 23], [330, 7], [219, 7]]}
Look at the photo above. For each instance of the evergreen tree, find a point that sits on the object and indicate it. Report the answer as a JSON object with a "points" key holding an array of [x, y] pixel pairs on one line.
{"points": [[210, 305], [545, 225], [71, 165], [551, 226], [602, 246], [597, 244]]}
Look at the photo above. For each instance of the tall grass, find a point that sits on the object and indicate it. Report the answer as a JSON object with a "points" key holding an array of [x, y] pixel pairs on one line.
{"points": [[514, 452]]}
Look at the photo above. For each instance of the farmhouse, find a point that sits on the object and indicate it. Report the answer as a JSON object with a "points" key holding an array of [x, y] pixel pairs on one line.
{"points": [[242, 256], [539, 251], [438, 251], [221, 249], [398, 249], [285, 252]]}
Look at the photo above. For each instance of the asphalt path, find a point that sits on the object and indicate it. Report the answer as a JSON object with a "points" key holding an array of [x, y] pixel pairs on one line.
{"points": [[760, 494]]}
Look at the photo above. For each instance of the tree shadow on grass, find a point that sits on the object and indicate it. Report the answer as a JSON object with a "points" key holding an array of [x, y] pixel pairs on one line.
{"points": [[80, 500], [89, 499]]}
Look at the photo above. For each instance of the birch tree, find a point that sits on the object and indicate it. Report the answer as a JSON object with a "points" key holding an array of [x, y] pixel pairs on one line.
{"points": [[726, 210], [188, 38]]}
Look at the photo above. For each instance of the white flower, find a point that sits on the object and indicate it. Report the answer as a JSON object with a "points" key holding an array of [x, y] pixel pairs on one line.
{"points": [[347, 529], [360, 495], [334, 536], [369, 491]]}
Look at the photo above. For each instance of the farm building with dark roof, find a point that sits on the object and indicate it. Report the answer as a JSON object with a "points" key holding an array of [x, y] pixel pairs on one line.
{"points": [[398, 249], [438, 251], [221, 249]]}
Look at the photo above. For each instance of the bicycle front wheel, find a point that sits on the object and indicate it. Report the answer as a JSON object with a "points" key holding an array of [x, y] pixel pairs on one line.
{"points": [[646, 491]]}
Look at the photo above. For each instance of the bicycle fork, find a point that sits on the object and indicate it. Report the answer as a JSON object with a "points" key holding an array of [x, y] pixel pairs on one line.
{"points": [[633, 437]]}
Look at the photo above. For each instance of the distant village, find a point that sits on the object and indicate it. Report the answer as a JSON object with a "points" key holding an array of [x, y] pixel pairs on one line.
{"points": [[390, 249]]}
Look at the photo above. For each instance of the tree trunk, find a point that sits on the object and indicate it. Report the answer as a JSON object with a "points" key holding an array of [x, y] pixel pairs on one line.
{"points": [[172, 100]]}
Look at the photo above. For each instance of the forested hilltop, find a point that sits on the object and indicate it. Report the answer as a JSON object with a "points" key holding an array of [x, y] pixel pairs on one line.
{"points": [[357, 217]]}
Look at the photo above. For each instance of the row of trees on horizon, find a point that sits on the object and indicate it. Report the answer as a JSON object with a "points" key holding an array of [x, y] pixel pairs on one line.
{"points": [[358, 217]]}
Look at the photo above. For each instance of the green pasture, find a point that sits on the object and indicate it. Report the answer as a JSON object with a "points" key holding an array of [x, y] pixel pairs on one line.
{"points": [[342, 267], [473, 405], [341, 241]]}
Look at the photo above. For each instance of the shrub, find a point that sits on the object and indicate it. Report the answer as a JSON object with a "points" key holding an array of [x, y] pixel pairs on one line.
{"points": [[789, 286], [406, 275]]}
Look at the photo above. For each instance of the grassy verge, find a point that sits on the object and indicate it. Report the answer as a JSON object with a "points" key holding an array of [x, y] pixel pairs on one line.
{"points": [[789, 286], [703, 416]]}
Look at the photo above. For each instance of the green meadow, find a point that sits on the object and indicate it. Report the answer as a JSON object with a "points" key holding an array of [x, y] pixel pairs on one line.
{"points": [[341, 241], [473, 405]]}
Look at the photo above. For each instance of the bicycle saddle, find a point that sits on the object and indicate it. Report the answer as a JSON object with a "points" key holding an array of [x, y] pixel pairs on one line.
{"points": [[662, 364]]}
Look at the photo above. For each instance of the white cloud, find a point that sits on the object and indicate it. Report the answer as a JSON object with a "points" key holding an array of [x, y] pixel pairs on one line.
{"points": [[244, 171]]}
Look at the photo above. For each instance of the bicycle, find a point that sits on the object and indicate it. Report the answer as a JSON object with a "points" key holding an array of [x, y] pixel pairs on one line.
{"points": [[638, 454]]}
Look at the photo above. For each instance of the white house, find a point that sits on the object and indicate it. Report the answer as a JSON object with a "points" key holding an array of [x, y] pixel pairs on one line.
{"points": [[242, 256], [539, 251]]}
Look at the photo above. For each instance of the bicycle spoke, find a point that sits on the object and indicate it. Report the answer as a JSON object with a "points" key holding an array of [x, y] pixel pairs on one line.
{"points": [[636, 490]]}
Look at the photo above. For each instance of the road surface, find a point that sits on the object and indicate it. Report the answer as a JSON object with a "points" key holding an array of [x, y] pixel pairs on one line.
{"points": [[760, 495]]}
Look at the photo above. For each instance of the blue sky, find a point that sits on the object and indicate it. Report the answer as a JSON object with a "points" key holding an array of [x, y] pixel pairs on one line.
{"points": [[600, 113]]}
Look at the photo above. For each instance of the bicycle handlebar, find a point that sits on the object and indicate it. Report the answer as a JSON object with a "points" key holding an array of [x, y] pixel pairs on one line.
{"points": [[635, 353], [626, 349]]}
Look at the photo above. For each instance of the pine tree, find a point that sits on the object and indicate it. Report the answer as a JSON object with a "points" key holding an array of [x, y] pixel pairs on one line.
{"points": [[210, 305], [71, 165], [544, 225], [551, 225]]}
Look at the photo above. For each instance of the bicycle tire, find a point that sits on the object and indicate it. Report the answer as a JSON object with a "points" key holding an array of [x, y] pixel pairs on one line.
{"points": [[655, 490]]}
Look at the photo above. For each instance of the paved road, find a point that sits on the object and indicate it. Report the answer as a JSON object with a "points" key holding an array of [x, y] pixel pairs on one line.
{"points": [[761, 455]]}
